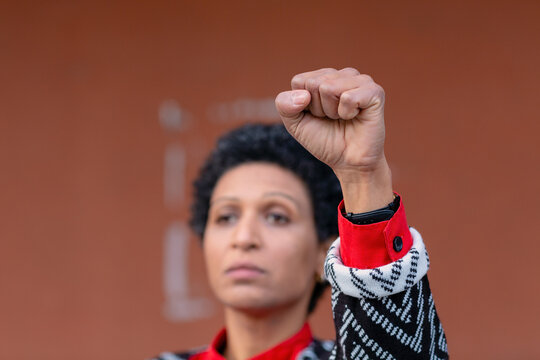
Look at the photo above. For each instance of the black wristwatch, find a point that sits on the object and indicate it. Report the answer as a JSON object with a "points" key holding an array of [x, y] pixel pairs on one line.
{"points": [[374, 216]]}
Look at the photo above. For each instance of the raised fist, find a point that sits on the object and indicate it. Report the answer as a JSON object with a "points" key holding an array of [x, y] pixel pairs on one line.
{"points": [[338, 116]]}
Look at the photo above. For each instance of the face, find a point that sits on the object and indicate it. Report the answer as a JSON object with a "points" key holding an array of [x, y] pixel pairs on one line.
{"points": [[260, 241]]}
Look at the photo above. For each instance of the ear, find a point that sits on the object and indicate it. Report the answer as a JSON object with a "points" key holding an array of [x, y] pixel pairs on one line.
{"points": [[323, 250]]}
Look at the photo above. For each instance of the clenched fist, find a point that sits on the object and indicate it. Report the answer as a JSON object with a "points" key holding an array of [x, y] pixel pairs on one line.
{"points": [[338, 116]]}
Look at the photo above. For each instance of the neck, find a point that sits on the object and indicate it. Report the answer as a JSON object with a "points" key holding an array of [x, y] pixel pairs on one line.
{"points": [[250, 333]]}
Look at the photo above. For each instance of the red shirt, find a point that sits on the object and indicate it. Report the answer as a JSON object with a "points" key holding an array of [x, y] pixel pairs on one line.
{"points": [[288, 349]]}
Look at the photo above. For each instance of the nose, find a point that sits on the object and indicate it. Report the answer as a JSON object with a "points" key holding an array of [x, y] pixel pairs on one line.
{"points": [[246, 235]]}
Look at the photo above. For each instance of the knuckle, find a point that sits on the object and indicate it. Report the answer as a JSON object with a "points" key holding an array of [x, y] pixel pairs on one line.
{"points": [[379, 90], [327, 87], [312, 84], [310, 79], [350, 70], [366, 78], [378, 93], [346, 98], [297, 80], [328, 70]]}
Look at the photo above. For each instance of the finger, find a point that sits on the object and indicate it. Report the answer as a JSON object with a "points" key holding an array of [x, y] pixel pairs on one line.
{"points": [[329, 95], [311, 81], [291, 105], [368, 97], [333, 86], [299, 80]]}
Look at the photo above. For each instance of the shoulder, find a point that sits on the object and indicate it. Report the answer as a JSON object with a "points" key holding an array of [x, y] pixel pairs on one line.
{"points": [[316, 350]]}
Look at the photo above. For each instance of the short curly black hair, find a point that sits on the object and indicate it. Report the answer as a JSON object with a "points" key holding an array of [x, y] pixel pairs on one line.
{"points": [[270, 144]]}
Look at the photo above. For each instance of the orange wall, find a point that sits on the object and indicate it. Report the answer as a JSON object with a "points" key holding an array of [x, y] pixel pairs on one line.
{"points": [[84, 215]]}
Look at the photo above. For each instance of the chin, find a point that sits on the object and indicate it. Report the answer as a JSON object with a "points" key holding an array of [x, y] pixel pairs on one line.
{"points": [[251, 300]]}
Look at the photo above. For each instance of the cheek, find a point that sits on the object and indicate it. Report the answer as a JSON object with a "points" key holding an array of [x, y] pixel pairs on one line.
{"points": [[212, 252], [297, 258]]}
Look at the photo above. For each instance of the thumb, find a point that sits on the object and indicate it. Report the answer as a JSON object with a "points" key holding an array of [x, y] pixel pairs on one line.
{"points": [[291, 104]]}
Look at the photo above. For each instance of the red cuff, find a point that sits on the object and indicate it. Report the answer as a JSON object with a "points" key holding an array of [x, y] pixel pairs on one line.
{"points": [[374, 245]]}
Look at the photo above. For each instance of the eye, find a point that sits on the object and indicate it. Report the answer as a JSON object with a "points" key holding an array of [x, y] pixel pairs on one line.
{"points": [[276, 218], [225, 219]]}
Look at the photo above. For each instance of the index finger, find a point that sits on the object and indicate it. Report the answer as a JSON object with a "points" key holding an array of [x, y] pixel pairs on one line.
{"points": [[298, 82]]}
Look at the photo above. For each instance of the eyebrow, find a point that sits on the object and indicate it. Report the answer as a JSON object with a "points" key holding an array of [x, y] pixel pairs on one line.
{"points": [[268, 194], [223, 198], [287, 196]]}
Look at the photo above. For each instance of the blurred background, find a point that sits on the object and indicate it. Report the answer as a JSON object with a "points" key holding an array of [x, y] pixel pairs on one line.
{"points": [[108, 108]]}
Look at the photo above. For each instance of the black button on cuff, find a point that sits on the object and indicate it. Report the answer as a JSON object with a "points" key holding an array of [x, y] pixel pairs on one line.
{"points": [[398, 244]]}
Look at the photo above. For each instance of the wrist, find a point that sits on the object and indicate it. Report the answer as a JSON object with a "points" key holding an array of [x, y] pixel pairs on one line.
{"points": [[365, 191]]}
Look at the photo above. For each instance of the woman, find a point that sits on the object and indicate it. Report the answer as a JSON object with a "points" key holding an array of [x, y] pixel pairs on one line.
{"points": [[263, 210]]}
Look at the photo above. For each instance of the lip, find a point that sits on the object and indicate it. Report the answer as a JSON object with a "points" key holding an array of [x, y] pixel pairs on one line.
{"points": [[244, 270]]}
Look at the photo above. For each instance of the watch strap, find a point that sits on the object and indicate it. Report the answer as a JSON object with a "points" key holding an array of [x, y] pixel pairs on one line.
{"points": [[374, 216]]}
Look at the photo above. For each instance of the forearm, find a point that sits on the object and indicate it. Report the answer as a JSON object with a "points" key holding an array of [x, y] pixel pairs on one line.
{"points": [[385, 310]]}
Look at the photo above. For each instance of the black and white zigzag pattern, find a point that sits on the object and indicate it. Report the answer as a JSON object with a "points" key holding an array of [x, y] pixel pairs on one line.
{"points": [[400, 326], [385, 313], [383, 281], [317, 350]]}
